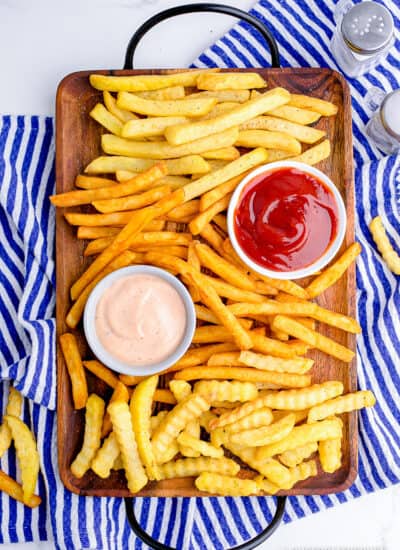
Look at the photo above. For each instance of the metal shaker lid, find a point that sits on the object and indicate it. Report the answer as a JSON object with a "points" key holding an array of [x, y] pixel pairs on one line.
{"points": [[367, 27], [390, 114]]}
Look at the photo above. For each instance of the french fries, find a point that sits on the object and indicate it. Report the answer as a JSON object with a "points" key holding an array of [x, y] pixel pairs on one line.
{"points": [[15, 490], [188, 467], [158, 107], [106, 456], [265, 435], [390, 256], [106, 119], [302, 133], [269, 140], [73, 361], [145, 127], [191, 164], [230, 486], [230, 81], [13, 408], [132, 202], [341, 404]]}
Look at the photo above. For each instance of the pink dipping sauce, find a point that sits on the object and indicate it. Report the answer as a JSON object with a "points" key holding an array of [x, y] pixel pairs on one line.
{"points": [[140, 319]]}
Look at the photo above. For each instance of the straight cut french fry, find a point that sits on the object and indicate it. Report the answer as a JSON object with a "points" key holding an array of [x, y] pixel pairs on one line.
{"points": [[385, 247], [157, 107], [132, 202], [111, 103], [191, 164], [197, 225], [106, 119], [302, 133], [315, 154], [102, 372], [73, 361], [172, 92], [294, 114], [93, 182], [268, 140], [325, 108], [230, 81], [216, 194], [144, 127]]}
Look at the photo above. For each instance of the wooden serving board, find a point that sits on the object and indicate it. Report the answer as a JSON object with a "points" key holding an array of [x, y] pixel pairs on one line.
{"points": [[77, 143]]}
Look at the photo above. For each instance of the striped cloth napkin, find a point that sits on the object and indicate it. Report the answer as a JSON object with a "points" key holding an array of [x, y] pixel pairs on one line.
{"points": [[27, 330]]}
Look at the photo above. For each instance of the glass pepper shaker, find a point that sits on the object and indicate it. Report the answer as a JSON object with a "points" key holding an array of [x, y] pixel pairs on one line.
{"points": [[384, 126], [363, 36]]}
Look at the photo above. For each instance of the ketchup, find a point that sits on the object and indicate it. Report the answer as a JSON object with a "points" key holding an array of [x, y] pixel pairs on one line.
{"points": [[285, 220]]}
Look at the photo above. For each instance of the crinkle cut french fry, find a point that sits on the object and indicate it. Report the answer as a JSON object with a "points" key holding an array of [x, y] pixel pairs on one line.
{"points": [[330, 454], [182, 390], [313, 338], [155, 421], [298, 365], [295, 456], [140, 407], [14, 490], [304, 398], [188, 467], [264, 435], [204, 448], [266, 486], [303, 471], [91, 439], [244, 374], [27, 454], [213, 390], [225, 485], [342, 404], [256, 419], [333, 273], [301, 435], [73, 361], [105, 457], [391, 257], [120, 393], [122, 427], [300, 415], [14, 407], [228, 359], [175, 421]]}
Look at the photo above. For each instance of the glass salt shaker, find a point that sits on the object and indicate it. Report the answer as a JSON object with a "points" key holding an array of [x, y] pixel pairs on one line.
{"points": [[363, 36], [384, 126]]}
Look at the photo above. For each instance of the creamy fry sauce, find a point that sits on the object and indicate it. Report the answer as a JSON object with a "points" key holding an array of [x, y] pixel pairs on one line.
{"points": [[140, 319]]}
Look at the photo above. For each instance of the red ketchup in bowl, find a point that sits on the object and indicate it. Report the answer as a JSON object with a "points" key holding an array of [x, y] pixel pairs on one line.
{"points": [[285, 219]]}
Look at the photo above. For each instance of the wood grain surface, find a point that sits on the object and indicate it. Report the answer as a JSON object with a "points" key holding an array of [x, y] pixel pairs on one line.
{"points": [[77, 143]]}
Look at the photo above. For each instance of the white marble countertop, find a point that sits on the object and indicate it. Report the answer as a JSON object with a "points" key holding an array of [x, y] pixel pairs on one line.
{"points": [[42, 41]]}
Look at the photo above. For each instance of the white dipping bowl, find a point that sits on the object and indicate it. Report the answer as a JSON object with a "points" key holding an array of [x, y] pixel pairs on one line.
{"points": [[323, 260], [98, 349]]}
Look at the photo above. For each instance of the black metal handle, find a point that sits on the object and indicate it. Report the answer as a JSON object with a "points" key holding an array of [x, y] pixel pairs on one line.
{"points": [[195, 8], [249, 545]]}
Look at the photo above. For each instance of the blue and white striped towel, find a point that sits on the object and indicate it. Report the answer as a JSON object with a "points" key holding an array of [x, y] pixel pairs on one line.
{"points": [[303, 30]]}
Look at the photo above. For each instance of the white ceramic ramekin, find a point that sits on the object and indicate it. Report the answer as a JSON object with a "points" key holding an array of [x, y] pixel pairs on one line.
{"points": [[321, 261], [98, 349]]}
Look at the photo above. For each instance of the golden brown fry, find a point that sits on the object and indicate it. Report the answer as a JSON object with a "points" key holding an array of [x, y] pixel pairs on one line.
{"points": [[164, 396], [140, 182], [302, 133], [146, 240], [390, 256], [268, 140], [264, 435], [87, 232], [102, 372], [199, 355], [231, 292], [297, 400], [219, 484], [333, 273], [214, 390], [91, 438], [175, 421], [188, 467], [92, 182], [73, 362], [198, 224], [140, 407], [75, 313], [14, 406], [312, 338], [295, 456], [122, 427], [218, 193], [187, 209], [182, 133], [325, 108], [132, 202], [205, 314], [14, 490], [297, 365], [105, 457], [344, 403], [99, 220], [330, 454]]}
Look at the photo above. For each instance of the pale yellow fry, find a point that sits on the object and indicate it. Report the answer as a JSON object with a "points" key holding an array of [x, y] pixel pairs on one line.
{"points": [[111, 104], [219, 484], [315, 154], [265, 435], [14, 407], [175, 421], [143, 83], [305, 134], [384, 245], [266, 486], [294, 114], [302, 435], [304, 398], [172, 92], [27, 454], [114, 145], [180, 389], [214, 390], [298, 365], [204, 448], [333, 273], [92, 435], [120, 393], [224, 96], [73, 361], [144, 127], [325, 108], [303, 471], [330, 454], [220, 108], [155, 421], [182, 133], [344, 403], [268, 140], [221, 154], [300, 415], [256, 419], [132, 202], [192, 430], [106, 456], [188, 467], [123, 429], [106, 119], [192, 164], [12, 488], [313, 338], [230, 81], [141, 407], [295, 456], [234, 168], [158, 107]]}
